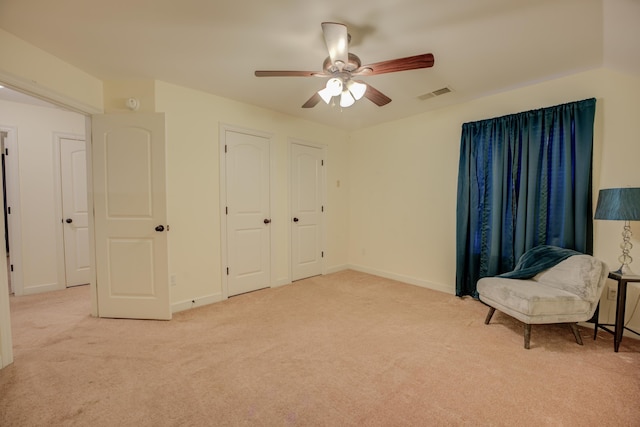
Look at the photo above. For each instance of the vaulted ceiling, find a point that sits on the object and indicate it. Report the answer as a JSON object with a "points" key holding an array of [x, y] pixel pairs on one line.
{"points": [[480, 46]]}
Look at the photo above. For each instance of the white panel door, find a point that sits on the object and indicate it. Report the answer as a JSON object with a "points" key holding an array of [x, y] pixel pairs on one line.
{"points": [[73, 178], [307, 209], [248, 212], [130, 216]]}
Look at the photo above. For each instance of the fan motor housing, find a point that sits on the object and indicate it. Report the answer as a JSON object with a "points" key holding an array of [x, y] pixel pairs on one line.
{"points": [[353, 64]]}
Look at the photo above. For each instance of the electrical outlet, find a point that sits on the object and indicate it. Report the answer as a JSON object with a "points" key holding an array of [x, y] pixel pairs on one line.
{"points": [[172, 280], [613, 292]]}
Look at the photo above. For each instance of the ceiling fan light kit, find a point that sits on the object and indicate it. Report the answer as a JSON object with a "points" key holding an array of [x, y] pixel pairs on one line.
{"points": [[346, 99], [333, 88], [357, 89], [341, 66], [349, 92]]}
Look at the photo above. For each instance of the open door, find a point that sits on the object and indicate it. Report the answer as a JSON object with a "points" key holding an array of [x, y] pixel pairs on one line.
{"points": [[129, 193]]}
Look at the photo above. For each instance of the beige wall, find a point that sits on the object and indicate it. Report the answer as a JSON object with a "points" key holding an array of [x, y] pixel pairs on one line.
{"points": [[116, 94], [403, 177], [394, 212], [35, 129], [35, 71], [193, 122]]}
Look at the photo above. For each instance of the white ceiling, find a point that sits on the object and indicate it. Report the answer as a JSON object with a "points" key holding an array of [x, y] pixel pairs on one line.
{"points": [[480, 46]]}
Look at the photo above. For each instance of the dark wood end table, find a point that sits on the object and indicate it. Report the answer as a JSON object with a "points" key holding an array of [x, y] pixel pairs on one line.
{"points": [[621, 302]]}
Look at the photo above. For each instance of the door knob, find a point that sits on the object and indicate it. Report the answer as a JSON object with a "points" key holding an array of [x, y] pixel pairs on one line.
{"points": [[295, 219], [68, 220], [160, 228], [267, 221]]}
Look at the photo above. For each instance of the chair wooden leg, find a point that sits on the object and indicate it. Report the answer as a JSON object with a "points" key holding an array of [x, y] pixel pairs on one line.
{"points": [[576, 332], [489, 315], [527, 335]]}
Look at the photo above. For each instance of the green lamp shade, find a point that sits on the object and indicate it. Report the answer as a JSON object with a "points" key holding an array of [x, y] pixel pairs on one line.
{"points": [[619, 204]]}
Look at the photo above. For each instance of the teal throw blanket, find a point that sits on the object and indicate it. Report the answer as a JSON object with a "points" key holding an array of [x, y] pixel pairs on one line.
{"points": [[538, 259]]}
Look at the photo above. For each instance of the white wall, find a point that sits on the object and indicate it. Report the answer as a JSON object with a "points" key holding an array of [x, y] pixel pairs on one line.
{"points": [[403, 177], [193, 120], [35, 129]]}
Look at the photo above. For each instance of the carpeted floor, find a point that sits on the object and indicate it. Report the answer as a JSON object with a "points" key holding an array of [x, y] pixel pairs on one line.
{"points": [[346, 349]]}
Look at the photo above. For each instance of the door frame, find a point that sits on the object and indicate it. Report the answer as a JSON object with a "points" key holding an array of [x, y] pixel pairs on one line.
{"points": [[323, 181], [14, 222], [223, 128], [57, 183], [38, 91], [91, 223], [6, 342]]}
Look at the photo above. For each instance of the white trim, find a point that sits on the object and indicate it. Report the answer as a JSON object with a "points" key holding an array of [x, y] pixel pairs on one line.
{"points": [[45, 287], [6, 343], [223, 210], [33, 89], [91, 217], [57, 187], [405, 279], [272, 240], [281, 282], [323, 179], [336, 268], [223, 128], [12, 163], [179, 306]]}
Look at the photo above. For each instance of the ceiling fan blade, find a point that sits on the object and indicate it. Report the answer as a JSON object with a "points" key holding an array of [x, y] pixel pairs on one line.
{"points": [[375, 96], [401, 64], [337, 41], [312, 101], [263, 73]]}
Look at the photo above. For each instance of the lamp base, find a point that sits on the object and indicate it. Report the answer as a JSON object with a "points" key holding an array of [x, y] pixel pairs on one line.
{"points": [[625, 270]]}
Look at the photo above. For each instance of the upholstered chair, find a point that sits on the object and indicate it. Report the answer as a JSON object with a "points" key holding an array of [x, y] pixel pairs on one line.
{"points": [[568, 292]]}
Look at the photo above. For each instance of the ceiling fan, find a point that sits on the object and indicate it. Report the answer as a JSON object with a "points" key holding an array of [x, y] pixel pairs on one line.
{"points": [[341, 66]]}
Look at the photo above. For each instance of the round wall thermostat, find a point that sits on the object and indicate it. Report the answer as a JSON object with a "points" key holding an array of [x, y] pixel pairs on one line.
{"points": [[133, 104]]}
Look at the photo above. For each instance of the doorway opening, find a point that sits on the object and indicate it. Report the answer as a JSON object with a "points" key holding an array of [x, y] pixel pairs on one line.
{"points": [[32, 189]]}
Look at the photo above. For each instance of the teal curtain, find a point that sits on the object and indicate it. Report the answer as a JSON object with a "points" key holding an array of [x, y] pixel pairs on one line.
{"points": [[524, 180]]}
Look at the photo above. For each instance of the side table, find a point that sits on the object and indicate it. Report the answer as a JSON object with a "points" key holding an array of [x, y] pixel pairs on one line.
{"points": [[621, 303]]}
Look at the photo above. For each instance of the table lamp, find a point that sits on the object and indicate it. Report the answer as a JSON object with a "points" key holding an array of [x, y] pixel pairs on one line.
{"points": [[622, 204]]}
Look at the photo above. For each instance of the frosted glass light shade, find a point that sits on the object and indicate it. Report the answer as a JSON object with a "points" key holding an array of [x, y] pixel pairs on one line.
{"points": [[346, 99], [357, 89], [325, 94], [334, 85], [333, 88]]}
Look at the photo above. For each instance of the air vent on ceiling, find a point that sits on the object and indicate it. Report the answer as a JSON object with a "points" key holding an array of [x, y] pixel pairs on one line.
{"points": [[434, 93]]}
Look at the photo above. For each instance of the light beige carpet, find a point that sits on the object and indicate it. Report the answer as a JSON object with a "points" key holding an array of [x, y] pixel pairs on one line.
{"points": [[346, 349]]}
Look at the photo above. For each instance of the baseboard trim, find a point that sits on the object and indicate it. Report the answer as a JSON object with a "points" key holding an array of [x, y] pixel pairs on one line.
{"points": [[177, 307], [336, 268], [41, 288], [405, 279], [211, 299], [625, 333], [281, 282]]}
